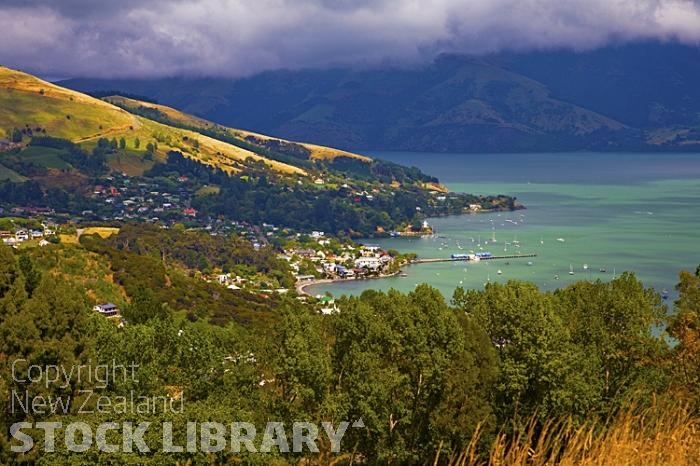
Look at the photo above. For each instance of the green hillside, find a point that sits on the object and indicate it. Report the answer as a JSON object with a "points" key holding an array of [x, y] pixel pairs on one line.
{"points": [[119, 158]]}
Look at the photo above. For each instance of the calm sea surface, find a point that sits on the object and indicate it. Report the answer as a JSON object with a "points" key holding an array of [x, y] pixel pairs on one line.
{"points": [[596, 214]]}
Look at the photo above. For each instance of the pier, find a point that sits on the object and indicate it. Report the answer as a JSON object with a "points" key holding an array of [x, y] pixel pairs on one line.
{"points": [[449, 259]]}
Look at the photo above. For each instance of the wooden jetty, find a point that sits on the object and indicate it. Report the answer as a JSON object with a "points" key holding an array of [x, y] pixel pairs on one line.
{"points": [[450, 259]]}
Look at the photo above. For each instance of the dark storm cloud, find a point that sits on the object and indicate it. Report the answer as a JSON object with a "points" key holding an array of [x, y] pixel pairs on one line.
{"points": [[229, 37]]}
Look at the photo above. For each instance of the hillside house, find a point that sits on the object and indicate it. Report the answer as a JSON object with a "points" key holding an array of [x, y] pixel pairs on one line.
{"points": [[107, 309]]}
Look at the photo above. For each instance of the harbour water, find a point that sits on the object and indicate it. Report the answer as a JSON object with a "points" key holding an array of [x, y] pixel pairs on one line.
{"points": [[596, 214]]}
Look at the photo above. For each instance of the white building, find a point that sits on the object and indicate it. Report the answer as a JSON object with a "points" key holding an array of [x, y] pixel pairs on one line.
{"points": [[107, 309], [372, 263]]}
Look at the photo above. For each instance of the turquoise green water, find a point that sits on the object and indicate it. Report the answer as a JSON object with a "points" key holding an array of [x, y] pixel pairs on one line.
{"points": [[615, 212]]}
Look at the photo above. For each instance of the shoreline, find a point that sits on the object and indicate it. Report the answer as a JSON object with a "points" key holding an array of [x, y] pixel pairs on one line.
{"points": [[301, 287]]}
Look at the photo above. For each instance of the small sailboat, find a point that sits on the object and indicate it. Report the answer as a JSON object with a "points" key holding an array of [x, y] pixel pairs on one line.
{"points": [[585, 266], [541, 240], [499, 272], [556, 277], [571, 269], [493, 236], [561, 240]]}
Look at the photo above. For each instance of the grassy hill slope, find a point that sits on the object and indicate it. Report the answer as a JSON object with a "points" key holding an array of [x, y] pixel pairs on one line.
{"points": [[315, 152], [39, 107]]}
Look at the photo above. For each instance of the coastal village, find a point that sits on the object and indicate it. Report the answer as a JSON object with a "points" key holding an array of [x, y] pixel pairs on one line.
{"points": [[312, 257]]}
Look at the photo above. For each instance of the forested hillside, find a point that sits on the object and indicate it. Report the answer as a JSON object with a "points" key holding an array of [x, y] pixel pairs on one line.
{"points": [[422, 374]]}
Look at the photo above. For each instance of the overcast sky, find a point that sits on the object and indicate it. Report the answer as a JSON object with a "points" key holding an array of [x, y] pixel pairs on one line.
{"points": [[237, 37]]}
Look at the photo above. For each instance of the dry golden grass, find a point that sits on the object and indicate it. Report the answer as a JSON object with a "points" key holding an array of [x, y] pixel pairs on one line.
{"points": [[84, 119], [317, 152], [170, 112], [323, 152], [435, 187], [655, 436], [62, 112], [68, 239], [25, 82], [104, 232], [210, 151]]}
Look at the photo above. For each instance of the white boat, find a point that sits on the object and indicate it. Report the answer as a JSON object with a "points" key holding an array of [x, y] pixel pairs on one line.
{"points": [[571, 269], [493, 236], [561, 240], [499, 272]]}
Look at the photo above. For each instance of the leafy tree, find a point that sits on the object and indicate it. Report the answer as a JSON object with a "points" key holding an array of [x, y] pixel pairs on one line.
{"points": [[32, 276], [299, 362], [9, 270], [540, 368], [53, 328], [613, 324], [122, 143], [403, 366], [144, 306], [684, 326]]}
